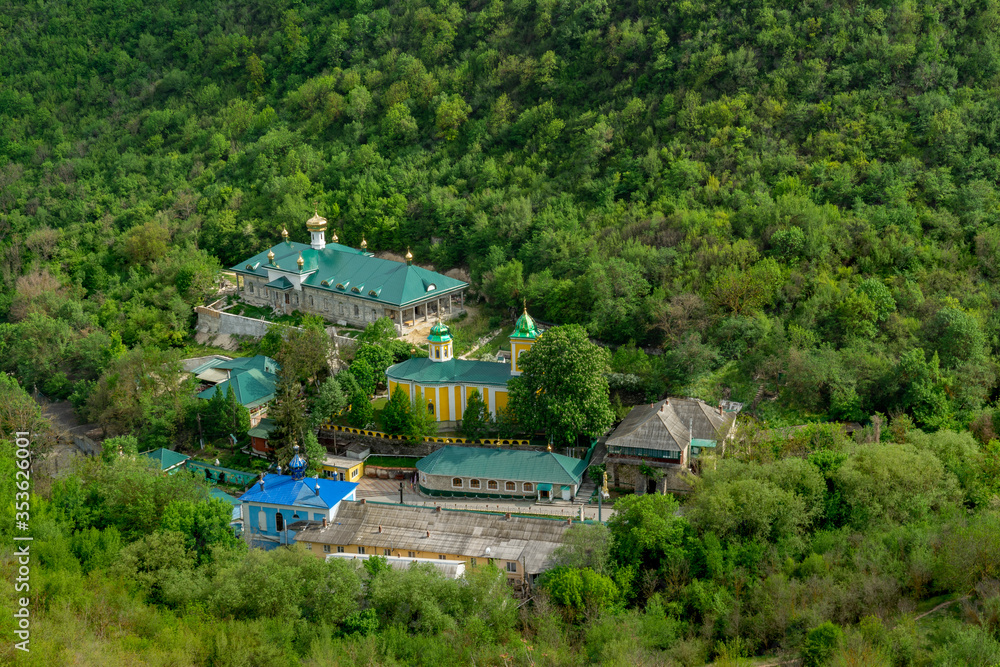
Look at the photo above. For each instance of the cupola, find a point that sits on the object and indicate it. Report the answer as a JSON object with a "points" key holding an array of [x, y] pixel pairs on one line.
{"points": [[297, 466], [317, 229], [409, 257], [523, 337], [440, 348], [364, 243]]}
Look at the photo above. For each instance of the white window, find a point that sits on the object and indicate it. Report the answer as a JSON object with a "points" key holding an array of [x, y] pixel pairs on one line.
{"points": [[386, 552], [354, 473], [361, 550], [442, 557], [340, 550], [411, 554], [510, 486], [309, 546], [512, 567], [326, 548], [472, 562], [262, 520]]}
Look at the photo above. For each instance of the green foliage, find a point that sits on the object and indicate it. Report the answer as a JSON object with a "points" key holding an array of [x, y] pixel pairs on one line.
{"points": [[645, 530], [475, 417], [420, 422], [329, 402], [395, 415], [820, 644], [203, 524], [563, 388], [362, 412]]}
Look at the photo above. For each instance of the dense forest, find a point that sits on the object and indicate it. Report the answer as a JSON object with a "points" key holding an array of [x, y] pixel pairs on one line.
{"points": [[792, 205], [795, 200]]}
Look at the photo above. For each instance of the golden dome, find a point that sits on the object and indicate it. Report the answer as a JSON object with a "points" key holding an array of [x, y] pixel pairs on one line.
{"points": [[284, 233], [301, 262], [317, 223], [270, 256], [409, 255], [364, 244], [335, 239]]}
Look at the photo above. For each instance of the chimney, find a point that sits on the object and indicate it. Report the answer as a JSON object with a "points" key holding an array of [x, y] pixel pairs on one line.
{"points": [[262, 481], [324, 522], [317, 488], [507, 516], [362, 501], [569, 521], [437, 509], [380, 528], [720, 409], [279, 470], [666, 401], [428, 533]]}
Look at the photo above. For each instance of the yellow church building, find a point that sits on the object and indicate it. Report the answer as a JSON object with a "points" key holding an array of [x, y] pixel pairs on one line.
{"points": [[446, 383]]}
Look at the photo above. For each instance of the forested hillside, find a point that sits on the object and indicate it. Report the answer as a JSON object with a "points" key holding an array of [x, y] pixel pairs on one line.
{"points": [[798, 197]]}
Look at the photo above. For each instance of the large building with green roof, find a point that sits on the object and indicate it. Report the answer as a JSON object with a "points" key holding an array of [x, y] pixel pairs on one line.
{"points": [[344, 284], [500, 473], [446, 384]]}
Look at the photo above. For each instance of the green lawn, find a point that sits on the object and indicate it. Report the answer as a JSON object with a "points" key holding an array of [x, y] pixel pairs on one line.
{"points": [[392, 461]]}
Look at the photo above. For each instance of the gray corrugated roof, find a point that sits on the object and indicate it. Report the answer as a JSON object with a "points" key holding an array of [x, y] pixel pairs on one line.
{"points": [[670, 425], [527, 539]]}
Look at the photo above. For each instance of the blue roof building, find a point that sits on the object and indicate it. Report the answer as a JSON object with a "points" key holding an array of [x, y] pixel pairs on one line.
{"points": [[275, 501]]}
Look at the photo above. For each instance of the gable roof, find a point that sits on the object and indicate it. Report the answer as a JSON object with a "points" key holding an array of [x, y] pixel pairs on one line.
{"points": [[261, 362], [342, 270], [464, 371], [252, 387], [263, 429], [283, 490], [167, 458], [503, 464], [531, 540], [670, 425]]}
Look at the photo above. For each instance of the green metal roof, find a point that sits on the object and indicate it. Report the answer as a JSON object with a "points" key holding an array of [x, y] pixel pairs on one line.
{"points": [[503, 464], [698, 442], [280, 282], [457, 371], [260, 362], [525, 327], [167, 458], [440, 333], [343, 270], [252, 387], [263, 429]]}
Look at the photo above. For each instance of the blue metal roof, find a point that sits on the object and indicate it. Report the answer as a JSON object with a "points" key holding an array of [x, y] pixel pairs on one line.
{"points": [[283, 490]]}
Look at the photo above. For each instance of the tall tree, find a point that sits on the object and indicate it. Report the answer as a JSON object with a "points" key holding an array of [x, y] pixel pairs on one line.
{"points": [[563, 386], [476, 417], [328, 402]]}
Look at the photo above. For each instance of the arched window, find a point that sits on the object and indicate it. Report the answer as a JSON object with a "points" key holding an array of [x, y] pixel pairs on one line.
{"points": [[262, 520], [492, 485], [430, 408], [528, 488], [356, 314], [474, 484], [457, 482], [437, 352], [510, 486], [279, 522]]}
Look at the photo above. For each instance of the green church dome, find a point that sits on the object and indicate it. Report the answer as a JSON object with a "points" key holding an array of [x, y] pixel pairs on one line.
{"points": [[525, 327], [440, 333]]}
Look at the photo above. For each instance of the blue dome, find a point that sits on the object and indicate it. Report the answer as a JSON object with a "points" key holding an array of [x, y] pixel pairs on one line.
{"points": [[297, 466]]}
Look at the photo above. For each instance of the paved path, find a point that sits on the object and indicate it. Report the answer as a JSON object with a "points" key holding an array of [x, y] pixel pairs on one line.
{"points": [[387, 490]]}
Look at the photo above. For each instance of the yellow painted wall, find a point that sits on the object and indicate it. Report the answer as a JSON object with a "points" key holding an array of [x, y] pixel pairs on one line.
{"points": [[501, 398], [444, 407], [317, 549], [351, 474], [458, 402], [515, 350], [486, 397]]}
